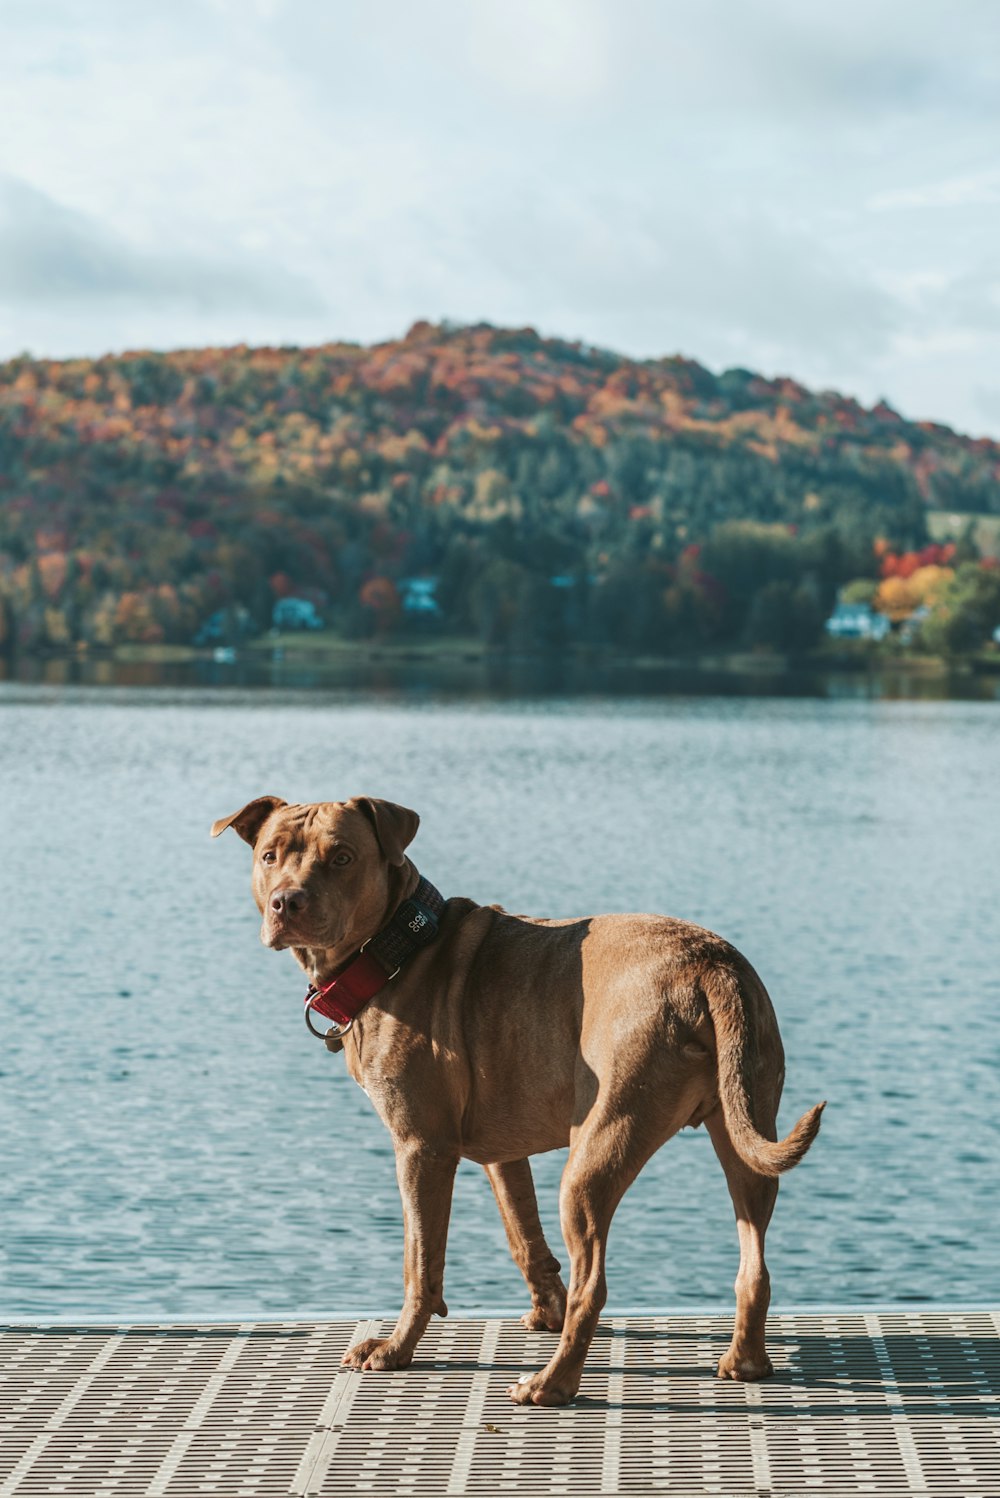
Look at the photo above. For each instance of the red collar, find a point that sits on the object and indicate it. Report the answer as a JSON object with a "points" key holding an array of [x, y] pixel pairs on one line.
{"points": [[347, 994], [413, 925]]}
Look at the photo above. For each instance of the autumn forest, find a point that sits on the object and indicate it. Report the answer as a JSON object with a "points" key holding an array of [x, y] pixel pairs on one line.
{"points": [[555, 493]]}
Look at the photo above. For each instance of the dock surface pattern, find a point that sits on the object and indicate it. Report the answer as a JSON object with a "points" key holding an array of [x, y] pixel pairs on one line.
{"points": [[893, 1402]]}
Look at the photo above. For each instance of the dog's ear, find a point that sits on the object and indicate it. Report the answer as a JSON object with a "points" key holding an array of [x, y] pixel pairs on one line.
{"points": [[250, 818], [395, 826]]}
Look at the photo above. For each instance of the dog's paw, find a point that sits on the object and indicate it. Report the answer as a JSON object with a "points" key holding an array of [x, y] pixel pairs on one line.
{"points": [[533, 1388], [376, 1355], [744, 1370], [544, 1319], [548, 1309]]}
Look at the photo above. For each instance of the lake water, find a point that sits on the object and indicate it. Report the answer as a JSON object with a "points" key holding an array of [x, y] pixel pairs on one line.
{"points": [[174, 1143]]}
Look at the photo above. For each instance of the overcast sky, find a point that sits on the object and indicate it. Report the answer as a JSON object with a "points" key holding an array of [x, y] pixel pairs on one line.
{"points": [[798, 187]]}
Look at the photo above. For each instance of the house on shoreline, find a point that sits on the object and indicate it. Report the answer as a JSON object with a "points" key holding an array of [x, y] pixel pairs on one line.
{"points": [[857, 621]]}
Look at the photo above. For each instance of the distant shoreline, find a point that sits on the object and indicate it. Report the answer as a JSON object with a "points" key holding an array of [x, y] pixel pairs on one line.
{"points": [[333, 650]]}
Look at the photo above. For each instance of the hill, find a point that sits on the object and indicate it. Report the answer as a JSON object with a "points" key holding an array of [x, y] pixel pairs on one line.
{"points": [[555, 491]]}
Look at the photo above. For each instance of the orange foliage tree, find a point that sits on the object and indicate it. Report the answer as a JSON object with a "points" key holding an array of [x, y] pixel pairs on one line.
{"points": [[381, 596]]}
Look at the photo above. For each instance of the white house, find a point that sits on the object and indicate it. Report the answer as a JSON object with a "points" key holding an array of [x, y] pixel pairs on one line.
{"points": [[295, 613], [857, 621]]}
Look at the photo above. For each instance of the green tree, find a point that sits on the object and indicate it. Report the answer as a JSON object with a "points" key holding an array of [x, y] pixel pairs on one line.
{"points": [[860, 590], [784, 616], [965, 613]]}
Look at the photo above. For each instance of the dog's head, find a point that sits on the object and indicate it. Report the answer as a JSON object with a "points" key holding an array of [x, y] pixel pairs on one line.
{"points": [[325, 876]]}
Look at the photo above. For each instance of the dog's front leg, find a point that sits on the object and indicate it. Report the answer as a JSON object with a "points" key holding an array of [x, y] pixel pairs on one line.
{"points": [[514, 1190], [426, 1178]]}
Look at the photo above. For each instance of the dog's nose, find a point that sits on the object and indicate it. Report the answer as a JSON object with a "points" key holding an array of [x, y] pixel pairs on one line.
{"points": [[289, 901]]}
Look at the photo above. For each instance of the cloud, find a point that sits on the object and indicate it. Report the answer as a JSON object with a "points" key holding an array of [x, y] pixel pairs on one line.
{"points": [[717, 281], [53, 254], [557, 51], [970, 190], [955, 307], [987, 398], [862, 62]]}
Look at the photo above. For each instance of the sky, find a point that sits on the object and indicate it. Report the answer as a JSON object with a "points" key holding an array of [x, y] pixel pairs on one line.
{"points": [[795, 187]]}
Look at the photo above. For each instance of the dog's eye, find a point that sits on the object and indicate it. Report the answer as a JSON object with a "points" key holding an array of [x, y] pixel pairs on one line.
{"points": [[269, 857], [341, 857]]}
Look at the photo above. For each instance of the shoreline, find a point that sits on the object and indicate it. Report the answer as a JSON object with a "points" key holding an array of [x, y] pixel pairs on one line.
{"points": [[333, 650]]}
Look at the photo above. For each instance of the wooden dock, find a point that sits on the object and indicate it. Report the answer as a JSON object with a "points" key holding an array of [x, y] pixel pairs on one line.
{"points": [[889, 1402]]}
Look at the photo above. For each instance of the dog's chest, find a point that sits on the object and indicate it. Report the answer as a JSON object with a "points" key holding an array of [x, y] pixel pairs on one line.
{"points": [[383, 1092]]}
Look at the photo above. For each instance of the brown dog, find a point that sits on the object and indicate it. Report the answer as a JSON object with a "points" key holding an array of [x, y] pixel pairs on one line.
{"points": [[505, 1036]]}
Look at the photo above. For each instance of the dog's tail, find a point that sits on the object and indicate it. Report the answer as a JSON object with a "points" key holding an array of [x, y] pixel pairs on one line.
{"points": [[736, 1047]]}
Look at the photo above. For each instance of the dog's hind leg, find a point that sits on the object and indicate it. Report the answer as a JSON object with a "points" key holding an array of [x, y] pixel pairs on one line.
{"points": [[606, 1155], [426, 1179], [514, 1190], [753, 1202]]}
